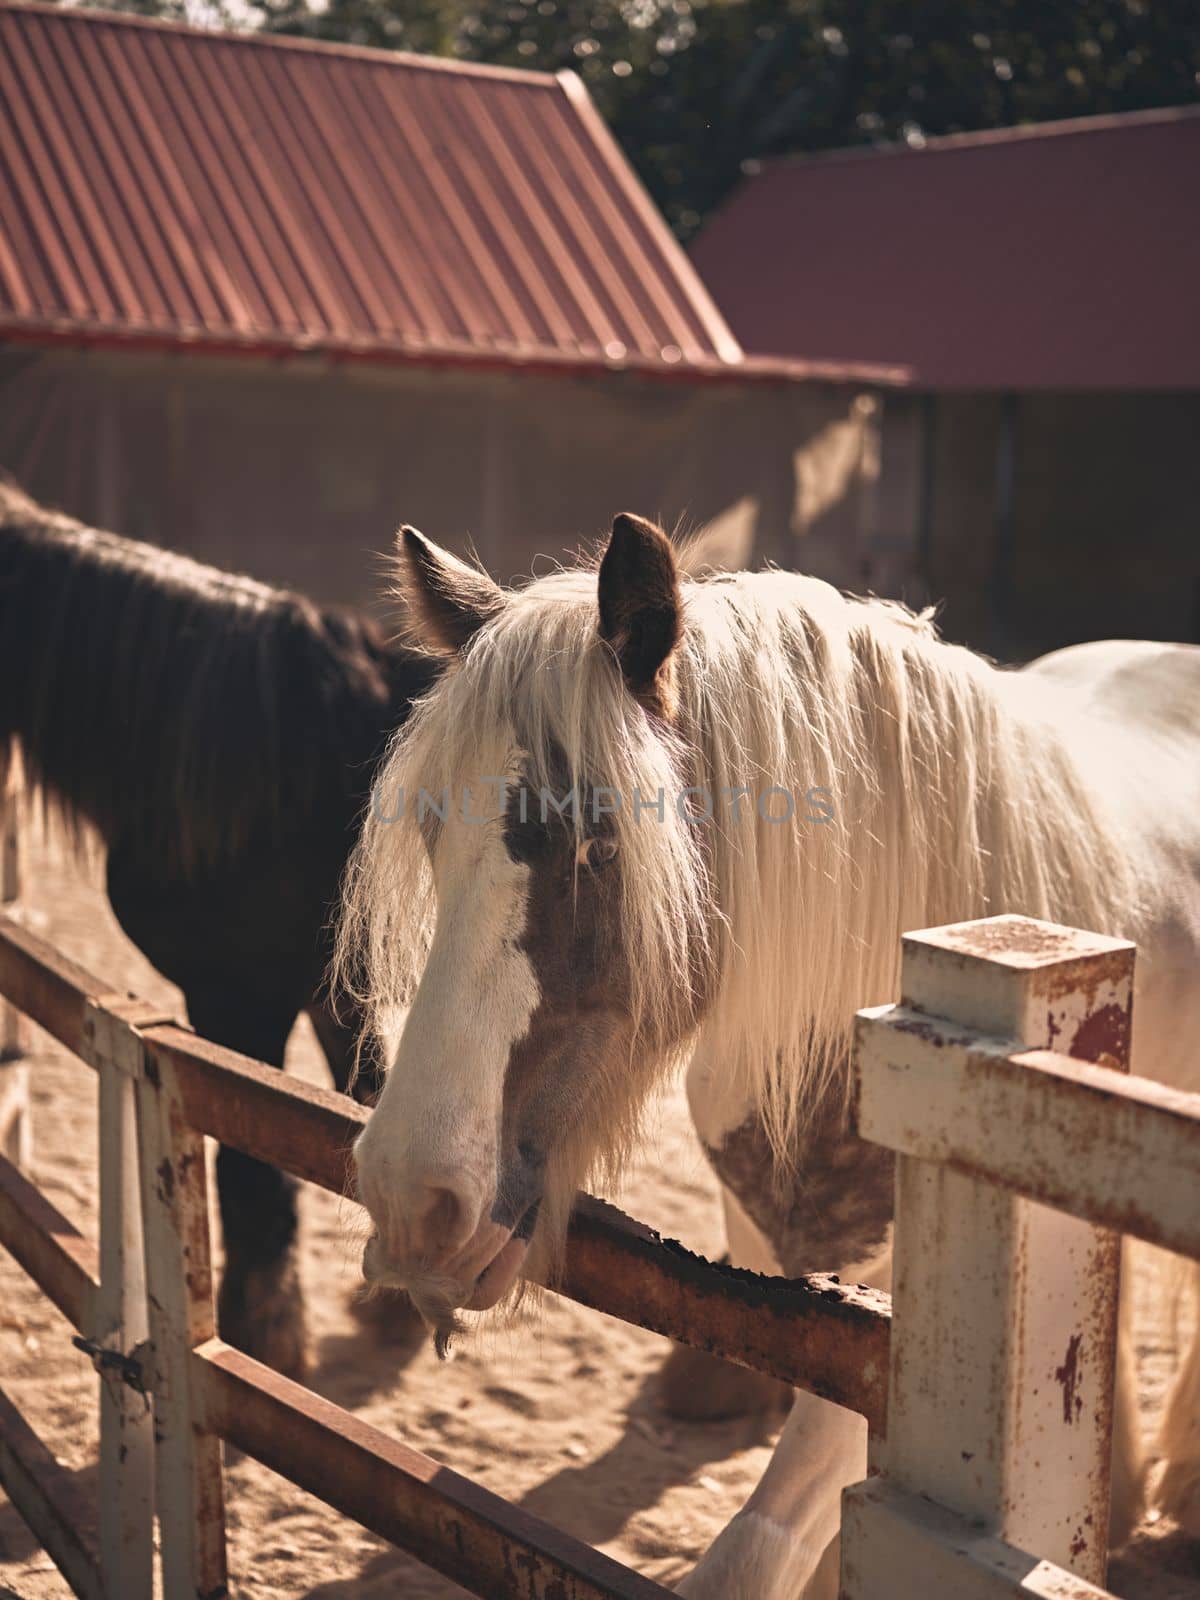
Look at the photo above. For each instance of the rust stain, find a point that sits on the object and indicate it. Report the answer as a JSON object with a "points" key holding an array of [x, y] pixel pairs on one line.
{"points": [[1103, 1036], [1068, 1376], [1017, 936], [166, 1180], [1088, 971]]}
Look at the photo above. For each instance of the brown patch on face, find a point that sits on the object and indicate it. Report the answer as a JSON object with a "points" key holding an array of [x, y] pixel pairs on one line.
{"points": [[583, 1025], [832, 1209], [575, 1080]]}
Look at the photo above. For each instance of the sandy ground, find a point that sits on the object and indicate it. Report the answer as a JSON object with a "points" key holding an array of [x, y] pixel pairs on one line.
{"points": [[558, 1412]]}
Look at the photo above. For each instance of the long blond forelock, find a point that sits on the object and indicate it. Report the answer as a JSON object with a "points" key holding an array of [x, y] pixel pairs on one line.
{"points": [[537, 688]]}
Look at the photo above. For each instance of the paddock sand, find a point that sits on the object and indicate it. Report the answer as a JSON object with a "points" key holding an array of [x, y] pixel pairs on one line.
{"points": [[557, 1411]]}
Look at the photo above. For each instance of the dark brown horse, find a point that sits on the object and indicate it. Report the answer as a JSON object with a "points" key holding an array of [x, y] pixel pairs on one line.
{"points": [[220, 736]]}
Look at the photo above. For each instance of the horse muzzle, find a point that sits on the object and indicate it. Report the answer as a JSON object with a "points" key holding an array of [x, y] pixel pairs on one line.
{"points": [[473, 1278]]}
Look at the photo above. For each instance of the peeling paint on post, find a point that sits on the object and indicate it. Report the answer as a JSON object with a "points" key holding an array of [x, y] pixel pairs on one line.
{"points": [[126, 1427], [179, 1286], [1003, 1339]]}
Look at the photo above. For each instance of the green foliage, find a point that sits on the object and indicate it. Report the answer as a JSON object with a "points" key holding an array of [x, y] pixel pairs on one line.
{"points": [[696, 89]]}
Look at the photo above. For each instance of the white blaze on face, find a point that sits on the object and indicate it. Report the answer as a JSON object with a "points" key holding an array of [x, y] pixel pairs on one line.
{"points": [[428, 1159]]}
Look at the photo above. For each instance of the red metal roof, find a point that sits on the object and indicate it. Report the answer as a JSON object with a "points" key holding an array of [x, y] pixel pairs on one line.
{"points": [[1065, 255], [162, 185]]}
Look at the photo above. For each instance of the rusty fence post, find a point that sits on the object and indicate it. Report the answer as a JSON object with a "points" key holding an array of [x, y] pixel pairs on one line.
{"points": [[16, 1129], [188, 1484], [1004, 1311]]}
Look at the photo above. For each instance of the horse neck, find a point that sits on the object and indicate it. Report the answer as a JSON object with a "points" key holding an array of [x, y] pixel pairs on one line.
{"points": [[169, 705]]}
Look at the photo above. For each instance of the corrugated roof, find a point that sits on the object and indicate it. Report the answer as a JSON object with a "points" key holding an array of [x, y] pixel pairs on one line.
{"points": [[163, 185], [1064, 255]]}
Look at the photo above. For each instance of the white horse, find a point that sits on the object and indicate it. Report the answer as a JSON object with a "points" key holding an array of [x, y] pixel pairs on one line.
{"points": [[648, 818]]}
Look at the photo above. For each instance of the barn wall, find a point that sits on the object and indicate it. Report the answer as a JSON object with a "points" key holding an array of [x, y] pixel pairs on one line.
{"points": [[1108, 517], [962, 519], [1105, 538], [300, 472]]}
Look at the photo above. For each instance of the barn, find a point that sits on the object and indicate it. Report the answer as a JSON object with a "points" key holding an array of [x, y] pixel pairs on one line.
{"points": [[262, 300], [1041, 474]]}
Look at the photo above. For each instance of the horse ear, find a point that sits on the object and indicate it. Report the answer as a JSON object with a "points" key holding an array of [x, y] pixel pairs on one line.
{"points": [[640, 608], [448, 600]]}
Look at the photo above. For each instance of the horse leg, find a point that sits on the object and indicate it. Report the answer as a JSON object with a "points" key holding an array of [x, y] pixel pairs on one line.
{"points": [[388, 1312], [694, 1386], [784, 1543], [833, 1215], [1179, 1440], [697, 1387], [259, 1308]]}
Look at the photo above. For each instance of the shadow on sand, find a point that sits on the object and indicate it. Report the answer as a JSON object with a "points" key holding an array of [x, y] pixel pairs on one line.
{"points": [[593, 1500]]}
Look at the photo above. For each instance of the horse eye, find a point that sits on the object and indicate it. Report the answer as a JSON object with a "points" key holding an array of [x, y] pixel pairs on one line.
{"points": [[595, 853]]}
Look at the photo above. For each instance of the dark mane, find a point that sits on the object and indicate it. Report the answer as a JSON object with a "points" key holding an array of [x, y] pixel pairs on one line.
{"points": [[167, 701]]}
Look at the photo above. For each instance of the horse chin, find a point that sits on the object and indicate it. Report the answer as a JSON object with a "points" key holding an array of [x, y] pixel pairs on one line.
{"points": [[439, 1295], [498, 1277]]}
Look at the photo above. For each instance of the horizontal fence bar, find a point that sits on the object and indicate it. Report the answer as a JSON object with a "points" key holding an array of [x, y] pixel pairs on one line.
{"points": [[51, 1502], [1120, 1152], [814, 1333], [63, 1264], [46, 985], [482, 1541], [297, 1126], [907, 1547]]}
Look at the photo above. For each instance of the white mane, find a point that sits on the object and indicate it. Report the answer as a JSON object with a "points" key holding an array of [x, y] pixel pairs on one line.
{"points": [[953, 794]]}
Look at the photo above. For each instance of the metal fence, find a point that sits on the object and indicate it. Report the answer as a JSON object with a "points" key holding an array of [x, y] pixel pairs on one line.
{"points": [[1017, 1167], [171, 1390]]}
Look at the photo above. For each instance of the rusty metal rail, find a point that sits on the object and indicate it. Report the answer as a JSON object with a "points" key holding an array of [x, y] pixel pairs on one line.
{"points": [[1135, 1143], [63, 1264], [445, 1520], [50, 1500], [814, 1333]]}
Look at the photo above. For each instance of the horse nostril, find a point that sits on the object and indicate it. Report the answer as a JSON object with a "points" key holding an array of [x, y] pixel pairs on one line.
{"points": [[441, 1217]]}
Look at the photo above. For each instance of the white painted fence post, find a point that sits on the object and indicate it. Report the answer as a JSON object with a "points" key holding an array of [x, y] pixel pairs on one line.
{"points": [[126, 1421], [188, 1483], [16, 1127], [1004, 1311]]}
